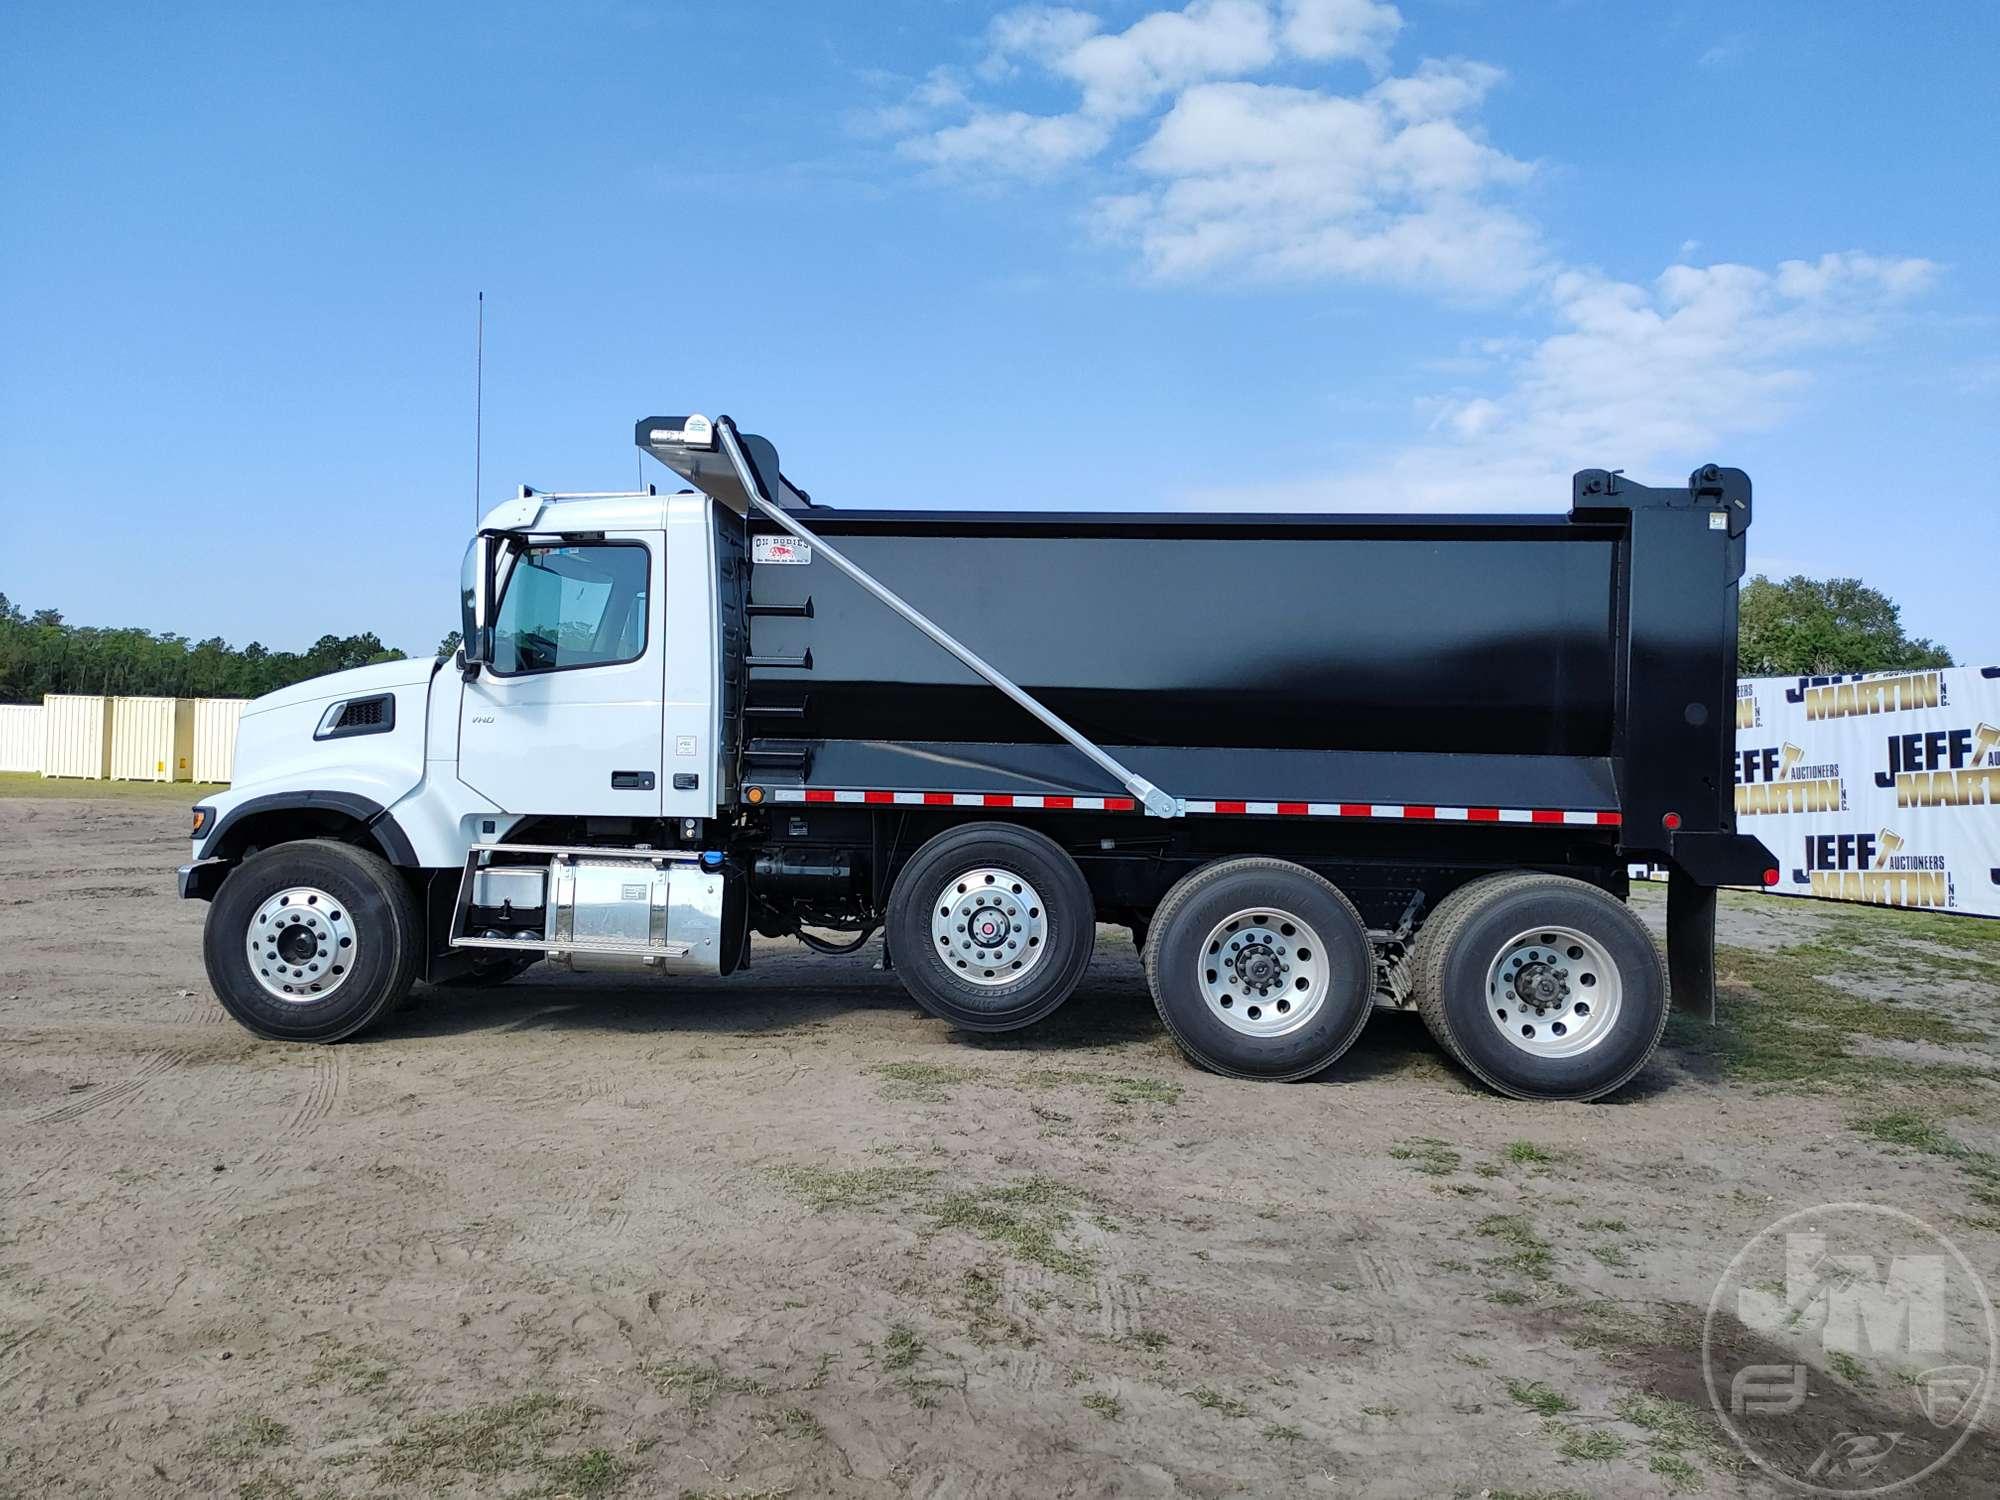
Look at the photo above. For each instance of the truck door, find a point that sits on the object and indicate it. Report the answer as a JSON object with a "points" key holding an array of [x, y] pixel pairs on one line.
{"points": [[567, 718]]}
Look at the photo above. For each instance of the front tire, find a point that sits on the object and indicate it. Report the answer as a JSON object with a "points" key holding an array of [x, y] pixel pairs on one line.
{"points": [[1543, 987], [1260, 969], [992, 926], [312, 941]]}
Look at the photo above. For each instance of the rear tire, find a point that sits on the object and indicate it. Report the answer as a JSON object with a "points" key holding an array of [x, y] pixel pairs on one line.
{"points": [[1260, 969], [312, 941], [992, 926], [1541, 986]]}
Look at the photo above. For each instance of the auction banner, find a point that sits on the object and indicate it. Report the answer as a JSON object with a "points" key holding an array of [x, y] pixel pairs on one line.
{"points": [[1882, 787]]}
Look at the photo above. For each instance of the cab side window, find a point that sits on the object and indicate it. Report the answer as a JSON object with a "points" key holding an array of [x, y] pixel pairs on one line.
{"points": [[582, 606]]}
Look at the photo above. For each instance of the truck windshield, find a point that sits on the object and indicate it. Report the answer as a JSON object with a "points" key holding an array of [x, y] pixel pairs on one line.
{"points": [[563, 607]]}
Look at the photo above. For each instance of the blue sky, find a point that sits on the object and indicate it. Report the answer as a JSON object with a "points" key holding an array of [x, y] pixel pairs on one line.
{"points": [[1303, 253]]}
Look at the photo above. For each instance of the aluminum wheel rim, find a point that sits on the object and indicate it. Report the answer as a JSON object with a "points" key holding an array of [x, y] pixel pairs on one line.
{"points": [[302, 945], [990, 926], [1264, 971], [1554, 991]]}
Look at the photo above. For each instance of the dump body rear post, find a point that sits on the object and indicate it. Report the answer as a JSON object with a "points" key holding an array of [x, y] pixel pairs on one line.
{"points": [[1320, 765]]}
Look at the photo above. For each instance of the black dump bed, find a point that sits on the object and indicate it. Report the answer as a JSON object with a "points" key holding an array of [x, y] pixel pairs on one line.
{"points": [[1571, 668]]}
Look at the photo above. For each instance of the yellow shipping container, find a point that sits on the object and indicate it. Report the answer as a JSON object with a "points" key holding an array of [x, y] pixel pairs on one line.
{"points": [[215, 738], [76, 735], [152, 739], [20, 736]]}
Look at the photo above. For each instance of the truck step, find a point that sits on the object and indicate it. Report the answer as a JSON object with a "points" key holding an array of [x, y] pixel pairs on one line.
{"points": [[800, 663], [781, 611]]}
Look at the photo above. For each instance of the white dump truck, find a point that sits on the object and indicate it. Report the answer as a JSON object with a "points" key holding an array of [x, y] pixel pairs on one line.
{"points": [[1317, 764]]}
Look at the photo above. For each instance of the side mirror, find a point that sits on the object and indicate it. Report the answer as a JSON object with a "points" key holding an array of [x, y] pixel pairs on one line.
{"points": [[477, 648]]}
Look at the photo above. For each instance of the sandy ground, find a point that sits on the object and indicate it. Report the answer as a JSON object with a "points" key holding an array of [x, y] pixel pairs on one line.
{"points": [[784, 1235]]}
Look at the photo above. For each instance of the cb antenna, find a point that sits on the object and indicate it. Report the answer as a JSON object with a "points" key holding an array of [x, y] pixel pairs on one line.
{"points": [[478, 406]]}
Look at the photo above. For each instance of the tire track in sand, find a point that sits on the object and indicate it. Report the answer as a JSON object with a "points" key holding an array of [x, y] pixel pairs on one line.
{"points": [[112, 1093]]}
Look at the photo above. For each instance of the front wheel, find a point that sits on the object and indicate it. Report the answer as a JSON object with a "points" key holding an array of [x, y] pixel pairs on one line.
{"points": [[312, 941], [1544, 987]]}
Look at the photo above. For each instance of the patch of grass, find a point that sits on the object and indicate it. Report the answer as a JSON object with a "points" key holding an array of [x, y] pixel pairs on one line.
{"points": [[1279, 1432], [1530, 1253], [354, 1372], [1913, 1130], [1110, 1408], [1585, 1445], [1667, 1423], [1527, 1153], [1427, 1154], [595, 1471], [1474, 1361], [246, 1437], [699, 1382], [1782, 1023], [1381, 1411], [1610, 1327], [1539, 1397], [1682, 1477], [902, 1348], [1847, 1367], [898, 1354], [34, 784], [1507, 1297], [1605, 1226], [1910, 1129], [1610, 1255], [795, 1422], [1214, 1400], [827, 1188], [1024, 1218], [925, 1082], [1116, 1087], [488, 1440], [1150, 1339]]}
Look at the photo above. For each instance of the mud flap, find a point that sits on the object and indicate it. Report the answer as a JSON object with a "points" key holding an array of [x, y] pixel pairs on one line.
{"points": [[1691, 944]]}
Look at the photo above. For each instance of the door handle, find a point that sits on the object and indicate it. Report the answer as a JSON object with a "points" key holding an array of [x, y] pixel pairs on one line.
{"points": [[632, 781]]}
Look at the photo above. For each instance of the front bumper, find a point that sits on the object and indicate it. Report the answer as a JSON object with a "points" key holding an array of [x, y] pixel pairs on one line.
{"points": [[200, 880]]}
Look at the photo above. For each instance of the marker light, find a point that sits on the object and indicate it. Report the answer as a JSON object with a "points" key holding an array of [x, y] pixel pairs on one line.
{"points": [[754, 794], [1670, 821], [1770, 877]]}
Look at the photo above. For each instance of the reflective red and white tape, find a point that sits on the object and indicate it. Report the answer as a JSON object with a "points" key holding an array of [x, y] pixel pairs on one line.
{"points": [[1414, 812]]}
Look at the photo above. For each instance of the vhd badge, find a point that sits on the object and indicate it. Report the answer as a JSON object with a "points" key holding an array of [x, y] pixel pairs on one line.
{"points": [[1850, 1350]]}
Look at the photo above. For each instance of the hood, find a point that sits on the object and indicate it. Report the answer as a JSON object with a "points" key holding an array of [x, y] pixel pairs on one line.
{"points": [[381, 677]]}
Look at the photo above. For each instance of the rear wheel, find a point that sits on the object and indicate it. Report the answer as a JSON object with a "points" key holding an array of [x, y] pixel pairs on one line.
{"points": [[1260, 969], [1542, 986], [992, 926], [312, 941]]}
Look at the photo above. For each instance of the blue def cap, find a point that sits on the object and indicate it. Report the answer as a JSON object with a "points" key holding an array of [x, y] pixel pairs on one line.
{"points": [[711, 859]]}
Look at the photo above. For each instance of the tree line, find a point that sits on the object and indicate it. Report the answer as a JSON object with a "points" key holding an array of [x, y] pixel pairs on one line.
{"points": [[1798, 627], [43, 653]]}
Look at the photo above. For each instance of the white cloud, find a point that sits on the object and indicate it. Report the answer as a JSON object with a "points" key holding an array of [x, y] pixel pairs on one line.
{"points": [[1296, 183], [1037, 33], [1324, 30], [1647, 378], [1226, 173], [1010, 141], [1121, 75]]}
